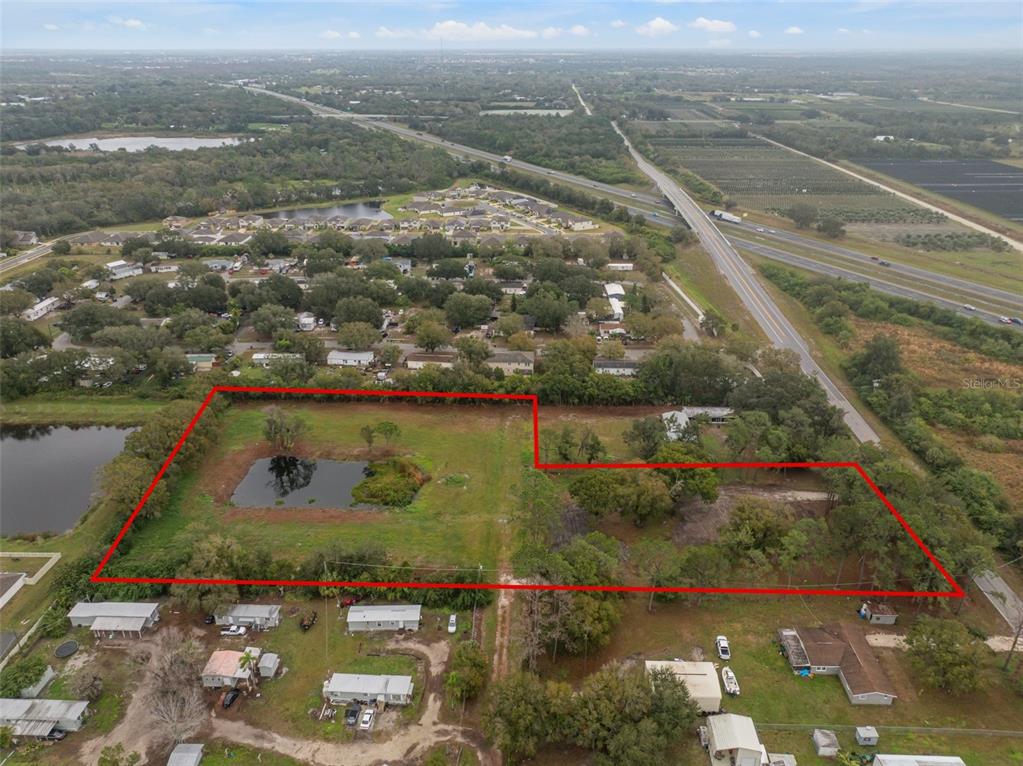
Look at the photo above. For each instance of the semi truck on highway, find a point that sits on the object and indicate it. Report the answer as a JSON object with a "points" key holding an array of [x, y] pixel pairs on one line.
{"points": [[721, 215]]}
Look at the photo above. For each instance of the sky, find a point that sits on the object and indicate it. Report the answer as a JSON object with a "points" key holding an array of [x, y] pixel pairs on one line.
{"points": [[709, 25]]}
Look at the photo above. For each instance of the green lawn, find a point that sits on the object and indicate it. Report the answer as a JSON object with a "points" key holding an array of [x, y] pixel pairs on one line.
{"points": [[448, 522], [73, 409]]}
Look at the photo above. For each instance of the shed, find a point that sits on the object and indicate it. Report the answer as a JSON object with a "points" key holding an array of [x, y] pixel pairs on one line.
{"points": [[342, 688], [825, 742], [201, 362], [258, 616], [700, 678], [733, 741], [39, 718], [878, 614], [268, 665], [867, 736], [185, 755], [385, 617]]}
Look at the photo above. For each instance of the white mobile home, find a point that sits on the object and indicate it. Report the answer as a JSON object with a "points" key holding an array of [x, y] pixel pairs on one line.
{"points": [[343, 688], [40, 718], [342, 358], [256, 616], [110, 619], [41, 309], [386, 617]]}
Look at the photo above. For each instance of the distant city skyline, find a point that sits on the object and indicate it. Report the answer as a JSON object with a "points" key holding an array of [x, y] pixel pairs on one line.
{"points": [[839, 26]]}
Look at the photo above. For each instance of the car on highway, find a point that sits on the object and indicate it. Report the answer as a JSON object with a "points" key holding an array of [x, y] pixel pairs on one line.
{"points": [[633, 195], [969, 307], [885, 263], [367, 719], [1017, 320], [760, 228], [234, 630], [723, 649], [1005, 320]]}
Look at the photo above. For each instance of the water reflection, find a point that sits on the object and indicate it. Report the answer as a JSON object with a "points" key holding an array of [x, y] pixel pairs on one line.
{"points": [[290, 474], [291, 482]]}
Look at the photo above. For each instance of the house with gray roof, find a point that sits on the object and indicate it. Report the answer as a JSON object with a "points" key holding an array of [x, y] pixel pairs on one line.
{"points": [[256, 616], [110, 619], [40, 718], [384, 617], [342, 688]]}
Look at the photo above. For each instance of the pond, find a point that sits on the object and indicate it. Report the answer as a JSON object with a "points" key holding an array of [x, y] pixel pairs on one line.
{"points": [[350, 210], [141, 143], [48, 474], [291, 482]]}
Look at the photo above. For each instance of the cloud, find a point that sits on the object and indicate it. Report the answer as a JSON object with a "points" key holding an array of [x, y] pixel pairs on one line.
{"points": [[656, 28], [549, 33], [711, 25], [330, 34], [126, 23], [579, 30], [844, 31], [754, 34], [353, 35], [719, 42], [619, 24], [50, 27], [388, 34], [794, 31], [459, 31]]}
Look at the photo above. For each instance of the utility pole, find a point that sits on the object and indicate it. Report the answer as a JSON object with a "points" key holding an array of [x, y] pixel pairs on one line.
{"points": [[1015, 641]]}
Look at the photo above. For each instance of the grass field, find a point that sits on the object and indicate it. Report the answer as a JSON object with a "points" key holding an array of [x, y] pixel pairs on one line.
{"points": [[78, 410], [454, 523]]}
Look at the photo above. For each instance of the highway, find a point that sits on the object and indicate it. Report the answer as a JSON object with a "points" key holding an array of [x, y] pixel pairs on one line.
{"points": [[741, 278], [13, 261]]}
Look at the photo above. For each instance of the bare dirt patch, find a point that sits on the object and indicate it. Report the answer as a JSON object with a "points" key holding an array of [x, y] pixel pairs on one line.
{"points": [[701, 523]]}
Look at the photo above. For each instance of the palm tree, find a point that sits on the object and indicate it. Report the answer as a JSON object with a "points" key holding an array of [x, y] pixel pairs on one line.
{"points": [[247, 662]]}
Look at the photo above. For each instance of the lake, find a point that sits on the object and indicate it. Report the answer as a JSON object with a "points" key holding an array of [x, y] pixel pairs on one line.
{"points": [[141, 143], [350, 210], [48, 474], [299, 482]]}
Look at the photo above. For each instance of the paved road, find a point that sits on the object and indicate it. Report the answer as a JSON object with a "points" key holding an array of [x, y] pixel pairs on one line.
{"points": [[879, 284], [13, 261], [1002, 597], [741, 278]]}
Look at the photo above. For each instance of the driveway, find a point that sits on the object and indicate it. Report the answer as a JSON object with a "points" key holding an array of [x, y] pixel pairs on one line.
{"points": [[1001, 597]]}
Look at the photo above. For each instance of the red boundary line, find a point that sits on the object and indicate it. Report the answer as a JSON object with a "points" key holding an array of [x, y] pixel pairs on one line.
{"points": [[956, 592]]}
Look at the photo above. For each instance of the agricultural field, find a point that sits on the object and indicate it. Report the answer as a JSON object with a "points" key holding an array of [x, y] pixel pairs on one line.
{"points": [[985, 184], [760, 176]]}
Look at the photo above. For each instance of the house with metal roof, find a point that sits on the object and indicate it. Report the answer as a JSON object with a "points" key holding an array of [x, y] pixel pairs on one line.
{"points": [[256, 616], [385, 617], [343, 358], [268, 665], [342, 688], [700, 678], [228, 669], [185, 755], [40, 718], [115, 619], [733, 741]]}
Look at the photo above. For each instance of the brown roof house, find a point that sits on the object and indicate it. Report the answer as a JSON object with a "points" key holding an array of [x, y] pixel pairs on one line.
{"points": [[839, 650]]}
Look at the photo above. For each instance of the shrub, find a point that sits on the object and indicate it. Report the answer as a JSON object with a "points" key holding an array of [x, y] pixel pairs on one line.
{"points": [[391, 482]]}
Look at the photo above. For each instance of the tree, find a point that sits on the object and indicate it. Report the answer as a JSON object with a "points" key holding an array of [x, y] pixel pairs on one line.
{"points": [[61, 247], [431, 336], [388, 429], [388, 353], [646, 436], [521, 341], [358, 336], [945, 654], [685, 483], [831, 228], [506, 326], [802, 215], [282, 429], [18, 336], [515, 718], [270, 319], [713, 323], [358, 309], [175, 701], [468, 673], [20, 675], [368, 434], [86, 319], [464, 310], [473, 351], [17, 300]]}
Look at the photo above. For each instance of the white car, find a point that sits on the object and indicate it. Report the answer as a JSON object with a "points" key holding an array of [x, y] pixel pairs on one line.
{"points": [[234, 630], [724, 651], [760, 228], [453, 623], [366, 721], [968, 307]]}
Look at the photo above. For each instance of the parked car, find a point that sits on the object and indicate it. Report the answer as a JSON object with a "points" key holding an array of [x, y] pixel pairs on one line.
{"points": [[352, 715], [724, 651], [209, 619], [234, 630], [367, 719], [308, 621], [56, 735], [230, 698], [453, 623]]}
